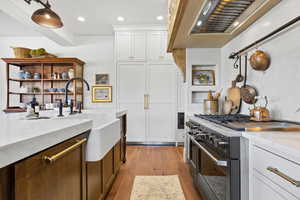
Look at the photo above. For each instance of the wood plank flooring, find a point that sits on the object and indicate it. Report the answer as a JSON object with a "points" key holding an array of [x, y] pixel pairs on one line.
{"points": [[147, 161]]}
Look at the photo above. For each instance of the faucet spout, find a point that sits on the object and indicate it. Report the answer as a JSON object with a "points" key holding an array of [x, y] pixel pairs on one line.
{"points": [[68, 84]]}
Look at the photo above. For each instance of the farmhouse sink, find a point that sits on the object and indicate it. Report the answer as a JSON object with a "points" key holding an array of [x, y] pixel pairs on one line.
{"points": [[104, 134]]}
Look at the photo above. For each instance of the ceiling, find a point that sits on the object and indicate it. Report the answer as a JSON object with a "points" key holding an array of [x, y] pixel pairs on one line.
{"points": [[100, 15], [14, 28]]}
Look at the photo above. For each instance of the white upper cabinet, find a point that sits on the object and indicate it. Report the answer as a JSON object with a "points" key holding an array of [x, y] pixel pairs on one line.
{"points": [[123, 45], [157, 47], [139, 46], [131, 46]]}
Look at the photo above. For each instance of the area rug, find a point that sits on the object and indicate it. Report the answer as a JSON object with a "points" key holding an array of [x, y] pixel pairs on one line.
{"points": [[157, 188]]}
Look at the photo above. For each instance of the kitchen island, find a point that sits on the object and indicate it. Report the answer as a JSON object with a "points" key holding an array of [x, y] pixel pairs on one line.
{"points": [[36, 155]]}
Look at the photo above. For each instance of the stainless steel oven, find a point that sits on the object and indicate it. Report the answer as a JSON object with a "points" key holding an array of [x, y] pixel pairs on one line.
{"points": [[214, 164]]}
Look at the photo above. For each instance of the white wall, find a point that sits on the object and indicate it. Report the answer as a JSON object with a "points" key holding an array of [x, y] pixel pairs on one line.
{"points": [[281, 81], [96, 51]]}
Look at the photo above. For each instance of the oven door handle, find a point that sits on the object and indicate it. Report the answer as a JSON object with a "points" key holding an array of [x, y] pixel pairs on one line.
{"points": [[222, 163]]}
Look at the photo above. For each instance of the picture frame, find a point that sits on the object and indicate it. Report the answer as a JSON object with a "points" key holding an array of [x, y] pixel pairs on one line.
{"points": [[101, 79], [203, 78], [101, 94]]}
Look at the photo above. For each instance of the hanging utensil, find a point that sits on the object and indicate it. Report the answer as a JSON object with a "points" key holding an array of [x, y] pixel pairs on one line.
{"points": [[239, 77], [248, 93], [260, 60]]}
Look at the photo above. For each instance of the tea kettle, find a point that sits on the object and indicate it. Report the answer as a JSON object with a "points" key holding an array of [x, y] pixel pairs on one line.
{"points": [[260, 113]]}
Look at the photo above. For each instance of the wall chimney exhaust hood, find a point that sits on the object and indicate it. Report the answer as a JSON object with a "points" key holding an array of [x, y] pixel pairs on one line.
{"points": [[213, 23]]}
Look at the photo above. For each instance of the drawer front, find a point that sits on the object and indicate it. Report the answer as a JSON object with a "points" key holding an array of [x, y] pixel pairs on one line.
{"points": [[265, 189], [55, 173], [281, 171]]}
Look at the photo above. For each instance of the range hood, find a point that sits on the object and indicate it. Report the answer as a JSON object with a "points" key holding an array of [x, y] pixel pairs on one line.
{"points": [[218, 16], [212, 23]]}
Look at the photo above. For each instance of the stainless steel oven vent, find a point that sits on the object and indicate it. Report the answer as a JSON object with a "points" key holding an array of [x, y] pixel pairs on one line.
{"points": [[217, 16]]}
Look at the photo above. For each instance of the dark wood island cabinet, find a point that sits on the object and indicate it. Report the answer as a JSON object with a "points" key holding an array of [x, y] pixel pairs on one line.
{"points": [[58, 172]]}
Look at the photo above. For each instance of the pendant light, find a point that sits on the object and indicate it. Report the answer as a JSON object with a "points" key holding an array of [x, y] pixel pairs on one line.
{"points": [[45, 16]]}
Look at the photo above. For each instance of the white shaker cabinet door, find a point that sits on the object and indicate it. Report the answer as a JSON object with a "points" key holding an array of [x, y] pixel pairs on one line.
{"points": [[161, 115], [154, 45], [123, 46], [131, 86], [139, 46]]}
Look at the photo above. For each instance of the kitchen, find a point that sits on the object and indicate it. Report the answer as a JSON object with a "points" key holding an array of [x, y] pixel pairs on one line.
{"points": [[148, 73]]}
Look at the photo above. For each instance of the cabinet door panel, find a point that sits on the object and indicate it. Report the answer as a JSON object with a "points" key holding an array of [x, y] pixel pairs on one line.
{"points": [[123, 45], [161, 118], [167, 56], [162, 83], [132, 83], [35, 179], [162, 96], [139, 46], [154, 46], [136, 122]]}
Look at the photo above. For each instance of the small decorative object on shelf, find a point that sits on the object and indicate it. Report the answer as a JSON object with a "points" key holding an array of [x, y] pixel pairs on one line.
{"points": [[101, 94], [203, 77]]}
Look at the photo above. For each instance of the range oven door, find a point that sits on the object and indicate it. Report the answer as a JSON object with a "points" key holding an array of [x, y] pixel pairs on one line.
{"points": [[218, 178]]}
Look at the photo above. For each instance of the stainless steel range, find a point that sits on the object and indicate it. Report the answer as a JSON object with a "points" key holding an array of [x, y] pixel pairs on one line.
{"points": [[214, 161]]}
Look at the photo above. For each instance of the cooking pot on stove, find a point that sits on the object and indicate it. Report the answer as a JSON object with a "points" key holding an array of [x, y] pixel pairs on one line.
{"points": [[260, 113]]}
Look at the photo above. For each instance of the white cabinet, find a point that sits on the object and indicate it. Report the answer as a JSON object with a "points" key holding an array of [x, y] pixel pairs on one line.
{"points": [[157, 47], [131, 46], [131, 90], [264, 189], [153, 119], [272, 176], [162, 103]]}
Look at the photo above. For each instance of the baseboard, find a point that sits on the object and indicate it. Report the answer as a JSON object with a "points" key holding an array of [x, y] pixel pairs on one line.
{"points": [[155, 143]]}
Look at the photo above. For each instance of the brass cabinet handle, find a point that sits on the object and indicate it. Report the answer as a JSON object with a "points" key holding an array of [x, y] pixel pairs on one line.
{"points": [[284, 176], [52, 159], [146, 101], [161, 57]]}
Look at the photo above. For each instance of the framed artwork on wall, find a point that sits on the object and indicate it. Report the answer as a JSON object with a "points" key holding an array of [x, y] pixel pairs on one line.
{"points": [[203, 77], [101, 79], [101, 94]]}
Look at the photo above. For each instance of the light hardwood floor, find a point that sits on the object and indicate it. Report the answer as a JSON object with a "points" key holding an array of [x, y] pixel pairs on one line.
{"points": [[147, 161]]}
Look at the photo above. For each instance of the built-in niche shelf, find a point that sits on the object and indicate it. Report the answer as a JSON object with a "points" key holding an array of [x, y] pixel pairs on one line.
{"points": [[199, 96]]}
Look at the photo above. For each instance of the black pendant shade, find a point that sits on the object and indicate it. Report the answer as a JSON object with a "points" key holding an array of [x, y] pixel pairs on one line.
{"points": [[47, 18]]}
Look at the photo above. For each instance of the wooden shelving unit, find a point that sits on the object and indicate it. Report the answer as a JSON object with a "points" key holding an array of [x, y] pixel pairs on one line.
{"points": [[46, 67]]}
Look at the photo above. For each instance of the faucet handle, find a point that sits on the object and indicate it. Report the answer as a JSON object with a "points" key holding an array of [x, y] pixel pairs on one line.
{"points": [[79, 106]]}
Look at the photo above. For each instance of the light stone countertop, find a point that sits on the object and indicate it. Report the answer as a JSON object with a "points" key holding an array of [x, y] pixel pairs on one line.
{"points": [[20, 138], [285, 144]]}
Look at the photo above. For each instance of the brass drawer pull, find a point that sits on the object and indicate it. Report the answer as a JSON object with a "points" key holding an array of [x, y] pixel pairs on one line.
{"points": [[284, 176], [52, 159], [146, 101]]}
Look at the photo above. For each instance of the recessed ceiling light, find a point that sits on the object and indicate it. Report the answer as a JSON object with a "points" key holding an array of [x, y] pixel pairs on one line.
{"points": [[81, 19], [159, 18], [199, 23], [236, 23], [120, 19]]}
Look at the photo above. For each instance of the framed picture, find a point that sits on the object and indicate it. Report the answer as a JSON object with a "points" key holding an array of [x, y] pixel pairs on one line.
{"points": [[102, 79], [203, 77], [101, 94]]}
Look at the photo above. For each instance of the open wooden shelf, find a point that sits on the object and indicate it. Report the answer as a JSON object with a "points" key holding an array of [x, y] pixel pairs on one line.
{"points": [[39, 93], [36, 80], [46, 67]]}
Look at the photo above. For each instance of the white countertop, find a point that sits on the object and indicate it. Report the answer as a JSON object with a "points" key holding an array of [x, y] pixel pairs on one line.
{"points": [[285, 144], [20, 138]]}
